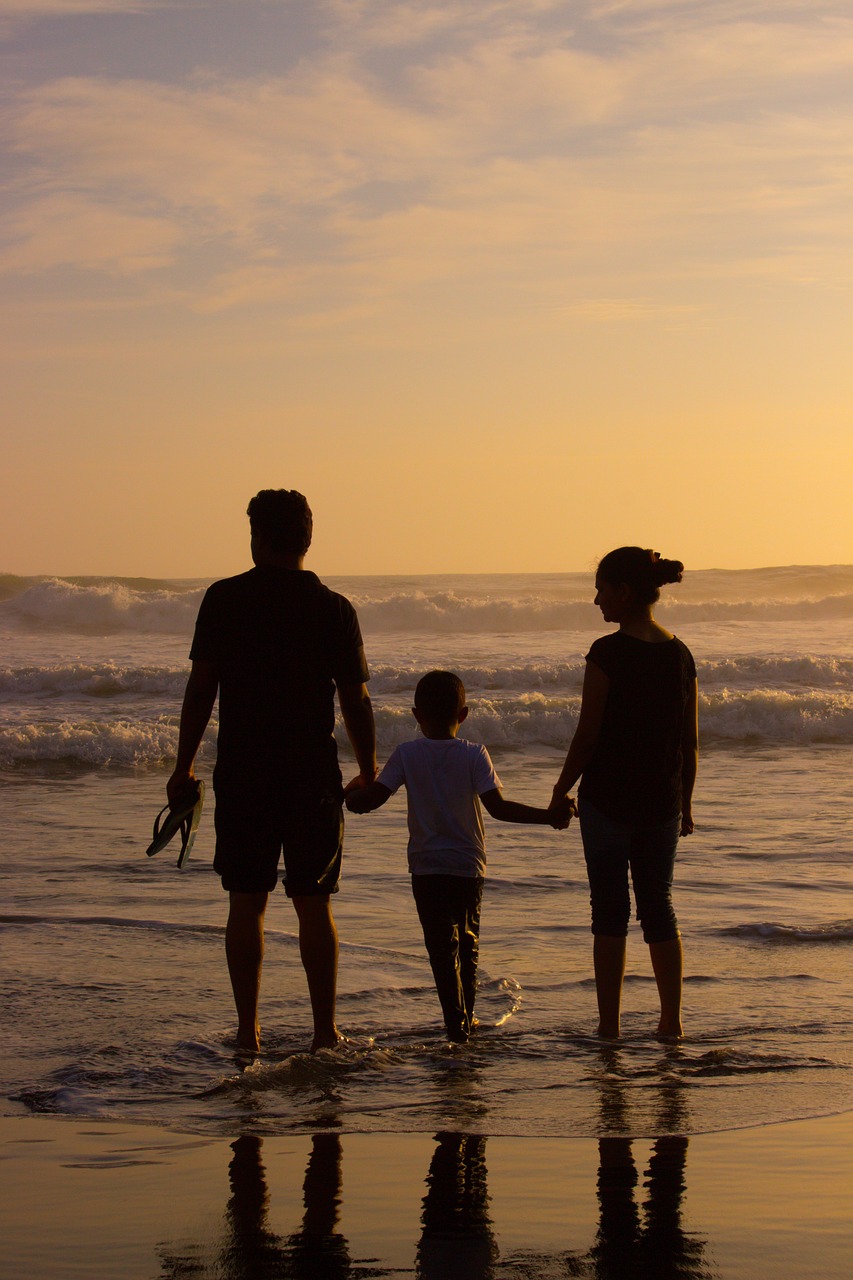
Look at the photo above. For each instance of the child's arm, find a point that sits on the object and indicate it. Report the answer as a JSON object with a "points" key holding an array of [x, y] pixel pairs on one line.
{"points": [[366, 799], [512, 811]]}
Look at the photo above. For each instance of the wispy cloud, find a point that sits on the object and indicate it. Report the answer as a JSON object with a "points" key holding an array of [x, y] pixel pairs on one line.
{"points": [[60, 8], [518, 154]]}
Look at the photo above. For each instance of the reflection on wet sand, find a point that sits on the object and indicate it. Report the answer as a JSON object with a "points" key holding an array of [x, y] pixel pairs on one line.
{"points": [[636, 1238], [249, 1250], [652, 1244], [457, 1239]]}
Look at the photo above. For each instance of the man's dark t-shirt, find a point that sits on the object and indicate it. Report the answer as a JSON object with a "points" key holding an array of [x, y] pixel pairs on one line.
{"points": [[281, 641], [634, 775]]}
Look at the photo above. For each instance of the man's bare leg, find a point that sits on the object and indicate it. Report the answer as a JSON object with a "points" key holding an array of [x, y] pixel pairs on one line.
{"points": [[609, 962], [244, 950], [318, 947], [668, 964]]}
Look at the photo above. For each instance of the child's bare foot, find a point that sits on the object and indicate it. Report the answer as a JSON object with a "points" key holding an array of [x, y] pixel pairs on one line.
{"points": [[249, 1041], [606, 1032], [327, 1040]]}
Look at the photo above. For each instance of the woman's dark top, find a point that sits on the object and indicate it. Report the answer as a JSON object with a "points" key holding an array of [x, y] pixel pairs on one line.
{"points": [[634, 775]]}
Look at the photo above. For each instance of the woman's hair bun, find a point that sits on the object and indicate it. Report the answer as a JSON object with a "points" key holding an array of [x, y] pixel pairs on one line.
{"points": [[664, 571], [641, 569]]}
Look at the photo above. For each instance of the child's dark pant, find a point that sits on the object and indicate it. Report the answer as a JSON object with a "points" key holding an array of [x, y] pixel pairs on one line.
{"points": [[449, 912]]}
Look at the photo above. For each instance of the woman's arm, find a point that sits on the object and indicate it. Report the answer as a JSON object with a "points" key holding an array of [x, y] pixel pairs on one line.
{"points": [[690, 758], [595, 689]]}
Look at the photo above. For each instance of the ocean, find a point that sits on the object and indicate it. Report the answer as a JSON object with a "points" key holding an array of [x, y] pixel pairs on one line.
{"points": [[115, 993]]}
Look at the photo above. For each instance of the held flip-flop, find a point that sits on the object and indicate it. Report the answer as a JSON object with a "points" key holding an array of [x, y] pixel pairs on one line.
{"points": [[184, 817]]}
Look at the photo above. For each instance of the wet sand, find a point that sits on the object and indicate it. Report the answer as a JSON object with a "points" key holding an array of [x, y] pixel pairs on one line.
{"points": [[95, 1199]]}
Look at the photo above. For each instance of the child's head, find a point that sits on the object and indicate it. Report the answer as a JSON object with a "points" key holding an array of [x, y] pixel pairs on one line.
{"points": [[440, 699]]}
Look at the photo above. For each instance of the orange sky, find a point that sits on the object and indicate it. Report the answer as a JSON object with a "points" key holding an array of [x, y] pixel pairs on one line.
{"points": [[498, 286]]}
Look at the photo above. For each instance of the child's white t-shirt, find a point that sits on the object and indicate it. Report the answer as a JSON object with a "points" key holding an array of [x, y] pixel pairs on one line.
{"points": [[443, 778]]}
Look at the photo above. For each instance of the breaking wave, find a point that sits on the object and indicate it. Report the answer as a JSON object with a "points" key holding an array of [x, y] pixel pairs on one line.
{"points": [[725, 680], [526, 721], [475, 606], [832, 931]]}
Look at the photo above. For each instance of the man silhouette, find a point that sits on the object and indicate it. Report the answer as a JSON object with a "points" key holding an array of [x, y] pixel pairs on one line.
{"points": [[276, 645]]}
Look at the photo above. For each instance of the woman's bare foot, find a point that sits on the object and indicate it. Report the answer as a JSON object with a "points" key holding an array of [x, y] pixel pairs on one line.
{"points": [[669, 1031], [607, 1032]]}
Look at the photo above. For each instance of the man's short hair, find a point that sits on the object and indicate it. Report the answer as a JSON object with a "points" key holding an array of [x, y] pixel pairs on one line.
{"points": [[283, 519], [440, 696]]}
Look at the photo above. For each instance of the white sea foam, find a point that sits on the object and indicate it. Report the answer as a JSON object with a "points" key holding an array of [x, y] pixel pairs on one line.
{"points": [[94, 680], [102, 608], [521, 722], [832, 931], [797, 674], [92, 743], [487, 606]]}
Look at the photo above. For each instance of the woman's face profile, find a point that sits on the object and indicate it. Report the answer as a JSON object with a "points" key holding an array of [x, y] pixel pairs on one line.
{"points": [[611, 599]]}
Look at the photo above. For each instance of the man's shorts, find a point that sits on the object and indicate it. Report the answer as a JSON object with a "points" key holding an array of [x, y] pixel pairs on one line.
{"points": [[251, 834]]}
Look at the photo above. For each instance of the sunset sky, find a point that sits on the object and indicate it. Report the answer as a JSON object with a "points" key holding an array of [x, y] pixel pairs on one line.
{"points": [[498, 285]]}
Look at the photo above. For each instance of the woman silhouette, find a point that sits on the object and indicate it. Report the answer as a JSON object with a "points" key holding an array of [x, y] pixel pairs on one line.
{"points": [[636, 751]]}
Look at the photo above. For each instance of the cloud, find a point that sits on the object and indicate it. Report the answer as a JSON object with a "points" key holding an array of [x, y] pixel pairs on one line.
{"points": [[61, 230], [63, 8], [520, 158]]}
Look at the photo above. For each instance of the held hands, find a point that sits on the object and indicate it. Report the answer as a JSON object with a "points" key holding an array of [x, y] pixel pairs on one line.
{"points": [[360, 792], [359, 782], [561, 811], [356, 800]]}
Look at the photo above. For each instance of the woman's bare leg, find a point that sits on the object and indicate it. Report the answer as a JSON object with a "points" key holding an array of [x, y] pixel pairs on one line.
{"points": [[667, 962], [608, 956]]}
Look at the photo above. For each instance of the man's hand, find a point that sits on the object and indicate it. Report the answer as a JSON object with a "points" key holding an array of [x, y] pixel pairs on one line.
{"points": [[687, 826], [181, 782], [359, 782]]}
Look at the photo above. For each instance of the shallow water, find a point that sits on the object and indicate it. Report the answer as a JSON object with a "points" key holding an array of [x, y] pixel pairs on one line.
{"points": [[114, 984]]}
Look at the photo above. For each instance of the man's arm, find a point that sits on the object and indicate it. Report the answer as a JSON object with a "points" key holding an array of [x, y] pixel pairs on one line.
{"points": [[511, 811], [199, 697], [357, 711], [690, 759]]}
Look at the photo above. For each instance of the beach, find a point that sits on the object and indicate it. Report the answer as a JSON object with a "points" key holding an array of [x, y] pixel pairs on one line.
{"points": [[120, 1096], [109, 1200]]}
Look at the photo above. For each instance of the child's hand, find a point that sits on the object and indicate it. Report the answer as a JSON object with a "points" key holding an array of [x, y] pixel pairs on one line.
{"points": [[561, 812], [356, 800], [361, 798]]}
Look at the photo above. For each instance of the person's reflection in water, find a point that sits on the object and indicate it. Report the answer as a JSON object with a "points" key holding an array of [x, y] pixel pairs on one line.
{"points": [[652, 1245], [457, 1242], [250, 1250]]}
